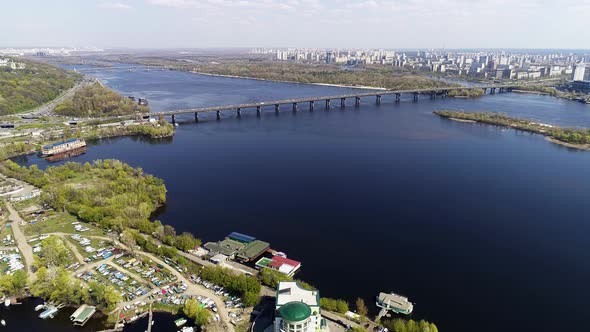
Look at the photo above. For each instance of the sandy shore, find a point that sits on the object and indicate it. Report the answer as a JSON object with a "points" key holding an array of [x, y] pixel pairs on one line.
{"points": [[531, 92], [462, 120], [266, 80], [585, 147]]}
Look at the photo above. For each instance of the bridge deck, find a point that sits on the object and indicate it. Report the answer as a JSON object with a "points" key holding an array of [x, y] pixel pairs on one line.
{"points": [[372, 93]]}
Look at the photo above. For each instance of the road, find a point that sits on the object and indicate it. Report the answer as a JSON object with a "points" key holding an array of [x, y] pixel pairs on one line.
{"points": [[20, 238], [47, 108]]}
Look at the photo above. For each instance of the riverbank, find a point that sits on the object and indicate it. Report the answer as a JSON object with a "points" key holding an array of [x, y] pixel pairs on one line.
{"points": [[570, 137], [290, 82], [158, 131]]}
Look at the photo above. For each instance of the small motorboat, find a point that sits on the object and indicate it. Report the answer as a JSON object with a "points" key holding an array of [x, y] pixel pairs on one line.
{"points": [[3, 322], [7, 302], [179, 322], [39, 307]]}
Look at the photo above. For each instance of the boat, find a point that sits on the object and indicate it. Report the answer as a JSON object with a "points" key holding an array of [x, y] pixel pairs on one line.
{"points": [[66, 155], [3, 322], [49, 312], [63, 146], [39, 307], [7, 302], [187, 329], [394, 302], [179, 322]]}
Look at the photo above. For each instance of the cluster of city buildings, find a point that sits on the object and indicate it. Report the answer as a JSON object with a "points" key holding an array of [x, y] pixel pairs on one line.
{"points": [[484, 64], [46, 51], [7, 62]]}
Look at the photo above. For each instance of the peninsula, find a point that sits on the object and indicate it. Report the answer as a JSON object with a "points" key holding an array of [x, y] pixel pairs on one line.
{"points": [[578, 138]]}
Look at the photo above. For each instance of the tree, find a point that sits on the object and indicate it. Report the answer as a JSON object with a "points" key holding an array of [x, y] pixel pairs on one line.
{"points": [[194, 311], [53, 252], [20, 279], [128, 238], [271, 278], [103, 296], [56, 284], [361, 307], [186, 242], [335, 305]]}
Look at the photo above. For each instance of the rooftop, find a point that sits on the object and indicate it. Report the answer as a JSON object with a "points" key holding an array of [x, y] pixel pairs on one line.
{"points": [[291, 291], [295, 311], [253, 249], [82, 314], [49, 146]]}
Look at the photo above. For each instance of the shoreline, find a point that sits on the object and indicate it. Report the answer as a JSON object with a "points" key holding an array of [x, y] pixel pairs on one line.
{"points": [[584, 147], [516, 124], [290, 82], [532, 92]]}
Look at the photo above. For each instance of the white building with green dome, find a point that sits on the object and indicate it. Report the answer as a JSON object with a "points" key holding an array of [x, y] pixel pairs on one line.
{"points": [[298, 309]]}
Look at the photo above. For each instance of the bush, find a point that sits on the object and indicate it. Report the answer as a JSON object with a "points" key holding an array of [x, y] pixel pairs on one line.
{"points": [[402, 325], [336, 305], [248, 287]]}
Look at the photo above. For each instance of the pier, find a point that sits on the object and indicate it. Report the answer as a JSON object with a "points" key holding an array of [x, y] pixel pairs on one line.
{"points": [[150, 321], [377, 96]]}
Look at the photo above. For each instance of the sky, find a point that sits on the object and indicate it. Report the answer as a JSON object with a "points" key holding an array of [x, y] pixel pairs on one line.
{"points": [[563, 24]]}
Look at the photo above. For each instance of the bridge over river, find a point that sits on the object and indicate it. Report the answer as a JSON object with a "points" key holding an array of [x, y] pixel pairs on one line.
{"points": [[432, 93]]}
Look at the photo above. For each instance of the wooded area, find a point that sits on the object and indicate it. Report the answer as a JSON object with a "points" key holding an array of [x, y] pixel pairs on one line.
{"points": [[24, 89], [96, 101]]}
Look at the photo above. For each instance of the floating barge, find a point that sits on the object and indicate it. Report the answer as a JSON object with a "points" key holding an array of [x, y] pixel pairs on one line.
{"points": [[63, 147], [82, 314], [394, 302]]}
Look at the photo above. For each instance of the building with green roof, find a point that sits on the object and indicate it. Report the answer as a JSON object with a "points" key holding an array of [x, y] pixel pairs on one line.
{"points": [[298, 309]]}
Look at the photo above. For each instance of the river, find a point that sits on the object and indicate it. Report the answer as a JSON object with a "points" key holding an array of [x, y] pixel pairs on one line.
{"points": [[483, 228]]}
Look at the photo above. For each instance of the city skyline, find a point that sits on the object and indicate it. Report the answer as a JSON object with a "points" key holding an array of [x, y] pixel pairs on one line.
{"points": [[450, 24]]}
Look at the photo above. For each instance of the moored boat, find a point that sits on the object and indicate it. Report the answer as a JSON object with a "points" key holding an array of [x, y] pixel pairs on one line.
{"points": [[63, 146], [179, 322], [187, 329], [39, 307], [48, 313], [394, 302]]}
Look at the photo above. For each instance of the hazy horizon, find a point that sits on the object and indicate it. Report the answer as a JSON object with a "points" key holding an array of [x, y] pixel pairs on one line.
{"points": [[391, 24]]}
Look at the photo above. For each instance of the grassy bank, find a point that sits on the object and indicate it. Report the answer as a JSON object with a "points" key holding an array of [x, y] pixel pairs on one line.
{"points": [[572, 137]]}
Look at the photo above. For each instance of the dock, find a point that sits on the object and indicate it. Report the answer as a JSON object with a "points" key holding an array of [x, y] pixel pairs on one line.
{"points": [[149, 329], [82, 314]]}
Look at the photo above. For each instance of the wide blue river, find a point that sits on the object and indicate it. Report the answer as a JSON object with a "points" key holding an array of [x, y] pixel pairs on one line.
{"points": [[482, 228]]}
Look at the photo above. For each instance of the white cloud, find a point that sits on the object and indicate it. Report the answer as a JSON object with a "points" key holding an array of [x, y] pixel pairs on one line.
{"points": [[115, 5]]}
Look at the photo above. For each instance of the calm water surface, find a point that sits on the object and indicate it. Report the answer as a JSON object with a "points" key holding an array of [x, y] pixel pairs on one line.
{"points": [[479, 226]]}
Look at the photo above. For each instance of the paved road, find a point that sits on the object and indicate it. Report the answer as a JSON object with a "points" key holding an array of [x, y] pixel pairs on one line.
{"points": [[20, 238], [47, 108]]}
